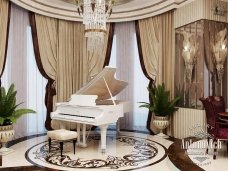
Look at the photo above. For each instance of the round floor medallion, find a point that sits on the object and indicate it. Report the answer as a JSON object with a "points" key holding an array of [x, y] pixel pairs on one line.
{"points": [[122, 153]]}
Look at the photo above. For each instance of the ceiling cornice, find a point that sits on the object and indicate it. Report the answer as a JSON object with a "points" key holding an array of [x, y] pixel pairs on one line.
{"points": [[133, 10]]}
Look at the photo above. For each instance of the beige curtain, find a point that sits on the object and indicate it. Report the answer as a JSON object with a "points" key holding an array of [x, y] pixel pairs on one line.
{"points": [[4, 17], [156, 48], [47, 39], [72, 71], [96, 61], [157, 42], [75, 65], [150, 34], [44, 32], [63, 56], [168, 52]]}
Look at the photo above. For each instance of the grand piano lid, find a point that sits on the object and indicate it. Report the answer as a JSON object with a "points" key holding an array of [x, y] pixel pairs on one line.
{"points": [[97, 85]]}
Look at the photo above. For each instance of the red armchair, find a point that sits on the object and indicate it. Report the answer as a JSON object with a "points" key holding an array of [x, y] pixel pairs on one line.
{"points": [[217, 125]]}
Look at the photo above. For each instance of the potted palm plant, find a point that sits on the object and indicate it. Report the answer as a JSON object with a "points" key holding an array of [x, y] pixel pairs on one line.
{"points": [[9, 115], [161, 105]]}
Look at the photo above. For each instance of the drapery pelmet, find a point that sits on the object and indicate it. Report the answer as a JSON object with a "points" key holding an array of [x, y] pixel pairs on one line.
{"points": [[62, 57], [5, 7], [155, 37]]}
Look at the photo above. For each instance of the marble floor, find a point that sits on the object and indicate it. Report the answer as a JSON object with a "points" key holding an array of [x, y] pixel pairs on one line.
{"points": [[125, 151]]}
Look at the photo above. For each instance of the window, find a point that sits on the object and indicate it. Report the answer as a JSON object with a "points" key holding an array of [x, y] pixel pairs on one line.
{"points": [[125, 58], [21, 69], [35, 90]]}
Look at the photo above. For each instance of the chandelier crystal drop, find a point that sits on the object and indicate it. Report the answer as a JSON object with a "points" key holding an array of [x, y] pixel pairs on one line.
{"points": [[95, 14]]}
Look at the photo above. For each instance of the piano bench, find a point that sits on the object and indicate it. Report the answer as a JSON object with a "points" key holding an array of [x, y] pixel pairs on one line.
{"points": [[62, 135]]}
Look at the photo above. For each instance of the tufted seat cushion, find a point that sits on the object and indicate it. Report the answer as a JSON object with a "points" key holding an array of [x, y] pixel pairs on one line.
{"points": [[62, 134]]}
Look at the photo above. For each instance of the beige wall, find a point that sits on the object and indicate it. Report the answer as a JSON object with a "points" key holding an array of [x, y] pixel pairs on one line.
{"points": [[196, 10]]}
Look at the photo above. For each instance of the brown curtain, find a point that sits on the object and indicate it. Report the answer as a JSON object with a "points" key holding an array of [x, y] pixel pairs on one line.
{"points": [[4, 32], [42, 61], [62, 58], [109, 44], [155, 37]]}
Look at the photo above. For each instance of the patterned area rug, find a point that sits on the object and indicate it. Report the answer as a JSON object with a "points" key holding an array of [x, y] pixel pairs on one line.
{"points": [[123, 153]]}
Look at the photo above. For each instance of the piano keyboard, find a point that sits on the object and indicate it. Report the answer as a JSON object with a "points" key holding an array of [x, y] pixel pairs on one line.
{"points": [[77, 115], [69, 117]]}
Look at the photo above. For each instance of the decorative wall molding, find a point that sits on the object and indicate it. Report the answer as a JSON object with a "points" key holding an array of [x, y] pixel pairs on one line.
{"points": [[129, 11], [197, 10], [185, 120]]}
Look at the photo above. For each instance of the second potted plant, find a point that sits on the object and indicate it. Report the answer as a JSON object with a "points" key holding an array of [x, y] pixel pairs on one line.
{"points": [[161, 105]]}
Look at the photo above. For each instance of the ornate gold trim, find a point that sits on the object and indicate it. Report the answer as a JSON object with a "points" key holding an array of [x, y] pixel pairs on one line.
{"points": [[95, 30], [6, 128]]}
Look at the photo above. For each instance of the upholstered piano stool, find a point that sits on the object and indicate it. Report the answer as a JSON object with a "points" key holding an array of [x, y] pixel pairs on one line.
{"points": [[62, 135]]}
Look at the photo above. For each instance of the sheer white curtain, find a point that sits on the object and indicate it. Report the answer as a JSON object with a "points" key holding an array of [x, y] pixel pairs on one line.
{"points": [[125, 58], [35, 91], [21, 70]]}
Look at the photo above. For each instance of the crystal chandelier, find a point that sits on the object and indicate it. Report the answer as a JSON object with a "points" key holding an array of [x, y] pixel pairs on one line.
{"points": [[95, 13]]}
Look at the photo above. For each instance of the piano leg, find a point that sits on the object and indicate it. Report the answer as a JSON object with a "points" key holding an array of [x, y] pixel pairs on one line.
{"points": [[118, 127], [83, 143], [79, 134], [103, 137], [84, 135]]}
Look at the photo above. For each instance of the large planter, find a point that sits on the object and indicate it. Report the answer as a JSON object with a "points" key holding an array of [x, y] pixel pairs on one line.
{"points": [[161, 122], [6, 134]]}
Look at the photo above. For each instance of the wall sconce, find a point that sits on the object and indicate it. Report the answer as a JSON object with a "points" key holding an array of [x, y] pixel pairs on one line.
{"points": [[219, 9], [220, 53], [190, 48]]}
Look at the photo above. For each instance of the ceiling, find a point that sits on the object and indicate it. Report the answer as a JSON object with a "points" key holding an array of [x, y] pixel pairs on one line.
{"points": [[124, 10]]}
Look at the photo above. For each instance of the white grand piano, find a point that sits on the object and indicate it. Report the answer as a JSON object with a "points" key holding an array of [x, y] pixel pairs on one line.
{"points": [[90, 106]]}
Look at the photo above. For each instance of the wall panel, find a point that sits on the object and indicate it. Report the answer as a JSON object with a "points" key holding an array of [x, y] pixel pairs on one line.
{"points": [[197, 10]]}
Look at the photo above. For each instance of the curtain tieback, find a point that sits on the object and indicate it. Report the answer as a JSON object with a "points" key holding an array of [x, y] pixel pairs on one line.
{"points": [[53, 86]]}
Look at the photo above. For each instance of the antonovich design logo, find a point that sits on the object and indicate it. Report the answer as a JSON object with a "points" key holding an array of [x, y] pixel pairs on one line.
{"points": [[196, 149]]}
